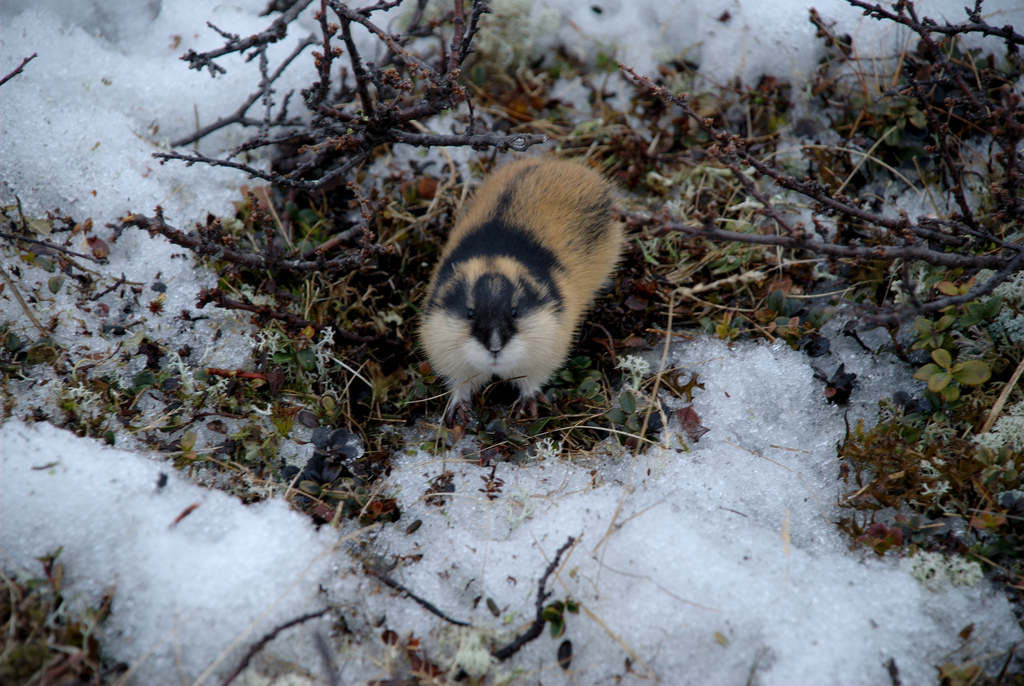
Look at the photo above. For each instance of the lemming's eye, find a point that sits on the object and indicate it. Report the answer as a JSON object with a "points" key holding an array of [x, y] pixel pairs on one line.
{"points": [[515, 312], [470, 314]]}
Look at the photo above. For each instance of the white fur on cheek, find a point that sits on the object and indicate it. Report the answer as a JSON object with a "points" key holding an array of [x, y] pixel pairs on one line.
{"points": [[530, 357]]}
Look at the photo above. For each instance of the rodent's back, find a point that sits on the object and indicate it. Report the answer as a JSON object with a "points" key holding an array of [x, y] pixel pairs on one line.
{"points": [[551, 215]]}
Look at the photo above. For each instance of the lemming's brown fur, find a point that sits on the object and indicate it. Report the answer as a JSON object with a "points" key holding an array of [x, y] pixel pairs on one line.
{"points": [[519, 271]]}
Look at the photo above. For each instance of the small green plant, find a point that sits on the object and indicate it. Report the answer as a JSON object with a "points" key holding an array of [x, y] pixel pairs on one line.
{"points": [[944, 377], [45, 641], [554, 615]]}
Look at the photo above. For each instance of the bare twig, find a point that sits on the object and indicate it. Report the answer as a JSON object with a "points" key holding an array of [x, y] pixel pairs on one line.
{"points": [[976, 25], [348, 127], [537, 626], [209, 243], [21, 301], [17, 69], [238, 116], [114, 287], [428, 606], [503, 143], [275, 32], [51, 246], [259, 645], [959, 241], [804, 242]]}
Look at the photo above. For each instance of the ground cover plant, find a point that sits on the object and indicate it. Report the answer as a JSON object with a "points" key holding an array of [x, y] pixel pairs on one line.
{"points": [[749, 222]]}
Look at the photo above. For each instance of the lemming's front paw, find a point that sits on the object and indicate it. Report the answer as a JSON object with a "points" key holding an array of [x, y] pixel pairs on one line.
{"points": [[457, 413], [527, 404]]}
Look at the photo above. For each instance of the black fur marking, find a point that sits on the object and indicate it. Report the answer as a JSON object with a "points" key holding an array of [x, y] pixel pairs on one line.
{"points": [[454, 299], [497, 239], [493, 299], [513, 186]]}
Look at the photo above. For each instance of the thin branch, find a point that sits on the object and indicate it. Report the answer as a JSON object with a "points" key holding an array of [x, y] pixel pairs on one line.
{"points": [[17, 69], [518, 142], [459, 24], [881, 252], [345, 12], [238, 117], [51, 246], [538, 624], [259, 645], [428, 606], [984, 289], [730, 150], [358, 68], [347, 129], [275, 32], [977, 25], [114, 287], [205, 245], [21, 301]]}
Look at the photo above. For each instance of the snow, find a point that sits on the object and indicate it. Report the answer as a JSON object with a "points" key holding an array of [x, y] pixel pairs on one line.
{"points": [[224, 571], [732, 39], [700, 562], [676, 546]]}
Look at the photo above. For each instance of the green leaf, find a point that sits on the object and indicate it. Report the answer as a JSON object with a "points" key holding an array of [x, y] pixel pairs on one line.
{"points": [[306, 358], [308, 216], [628, 402], [557, 627], [143, 380], [972, 373], [617, 416], [551, 614], [55, 283], [41, 226], [926, 372], [991, 307], [944, 323], [950, 394], [942, 358], [939, 381], [14, 342], [282, 357], [777, 301], [818, 316], [537, 426]]}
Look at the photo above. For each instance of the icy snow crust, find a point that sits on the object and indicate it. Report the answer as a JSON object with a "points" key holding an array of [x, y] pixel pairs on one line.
{"points": [[699, 548], [224, 569], [698, 557], [699, 563]]}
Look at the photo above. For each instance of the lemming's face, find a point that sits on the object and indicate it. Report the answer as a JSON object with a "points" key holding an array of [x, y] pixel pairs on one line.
{"points": [[495, 313]]}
